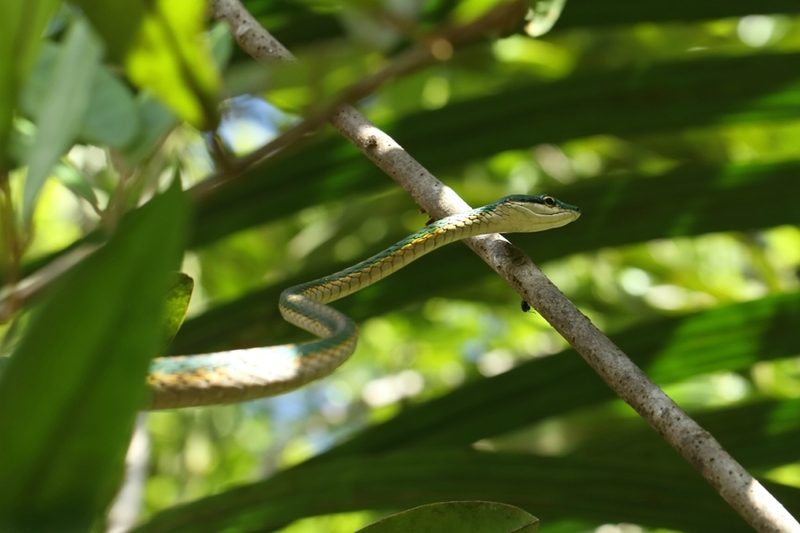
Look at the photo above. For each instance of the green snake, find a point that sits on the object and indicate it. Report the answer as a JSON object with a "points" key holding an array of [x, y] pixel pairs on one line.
{"points": [[239, 375]]}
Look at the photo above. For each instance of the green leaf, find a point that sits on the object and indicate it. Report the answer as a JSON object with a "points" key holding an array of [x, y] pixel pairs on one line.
{"points": [[177, 304], [39, 82], [112, 118], [70, 392], [63, 109], [653, 494], [458, 517], [21, 25], [171, 56], [116, 22], [155, 122], [468, 11], [221, 43]]}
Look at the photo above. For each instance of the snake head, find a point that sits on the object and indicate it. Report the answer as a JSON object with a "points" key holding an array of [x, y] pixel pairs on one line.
{"points": [[522, 213]]}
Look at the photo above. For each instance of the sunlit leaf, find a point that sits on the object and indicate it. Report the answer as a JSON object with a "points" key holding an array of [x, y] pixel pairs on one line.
{"points": [[177, 304], [468, 10], [598, 491], [171, 56], [110, 119], [116, 22]]}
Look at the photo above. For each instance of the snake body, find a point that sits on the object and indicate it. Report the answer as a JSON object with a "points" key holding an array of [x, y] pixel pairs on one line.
{"points": [[239, 375]]}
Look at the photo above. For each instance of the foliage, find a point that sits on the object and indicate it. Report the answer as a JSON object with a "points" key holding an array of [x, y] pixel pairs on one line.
{"points": [[675, 129]]}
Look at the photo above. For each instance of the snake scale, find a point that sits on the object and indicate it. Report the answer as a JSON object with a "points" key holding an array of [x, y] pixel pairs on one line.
{"points": [[239, 375]]}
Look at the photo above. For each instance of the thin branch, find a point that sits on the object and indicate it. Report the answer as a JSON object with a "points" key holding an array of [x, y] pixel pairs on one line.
{"points": [[753, 502]]}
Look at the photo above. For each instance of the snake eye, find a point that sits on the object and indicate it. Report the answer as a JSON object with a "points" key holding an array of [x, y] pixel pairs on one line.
{"points": [[549, 201]]}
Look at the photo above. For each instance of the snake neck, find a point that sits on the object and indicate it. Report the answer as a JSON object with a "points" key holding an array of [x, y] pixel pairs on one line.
{"points": [[352, 279]]}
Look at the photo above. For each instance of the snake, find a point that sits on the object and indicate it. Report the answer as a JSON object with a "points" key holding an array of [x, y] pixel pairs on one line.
{"points": [[247, 374]]}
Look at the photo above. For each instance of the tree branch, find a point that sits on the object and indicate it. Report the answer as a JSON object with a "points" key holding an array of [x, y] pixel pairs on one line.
{"points": [[753, 502]]}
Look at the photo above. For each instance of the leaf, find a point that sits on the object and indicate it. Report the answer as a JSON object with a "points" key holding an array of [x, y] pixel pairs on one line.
{"points": [[458, 517], [172, 57], [112, 118], [63, 109], [116, 22], [21, 25], [177, 304], [760, 435], [39, 82], [591, 490], [69, 394]]}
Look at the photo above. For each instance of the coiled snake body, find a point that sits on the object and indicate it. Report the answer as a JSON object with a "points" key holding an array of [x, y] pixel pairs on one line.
{"points": [[239, 375]]}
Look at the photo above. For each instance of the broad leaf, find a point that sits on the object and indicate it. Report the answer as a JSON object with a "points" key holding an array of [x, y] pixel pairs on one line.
{"points": [[731, 338], [177, 304], [597, 491], [71, 390]]}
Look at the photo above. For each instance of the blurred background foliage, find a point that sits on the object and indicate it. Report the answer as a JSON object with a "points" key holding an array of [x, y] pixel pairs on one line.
{"points": [[675, 128]]}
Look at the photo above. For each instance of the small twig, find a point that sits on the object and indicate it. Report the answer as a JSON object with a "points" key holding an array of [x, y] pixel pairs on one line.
{"points": [[750, 499]]}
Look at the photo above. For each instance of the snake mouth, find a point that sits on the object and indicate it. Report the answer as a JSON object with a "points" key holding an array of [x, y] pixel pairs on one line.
{"points": [[543, 216]]}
